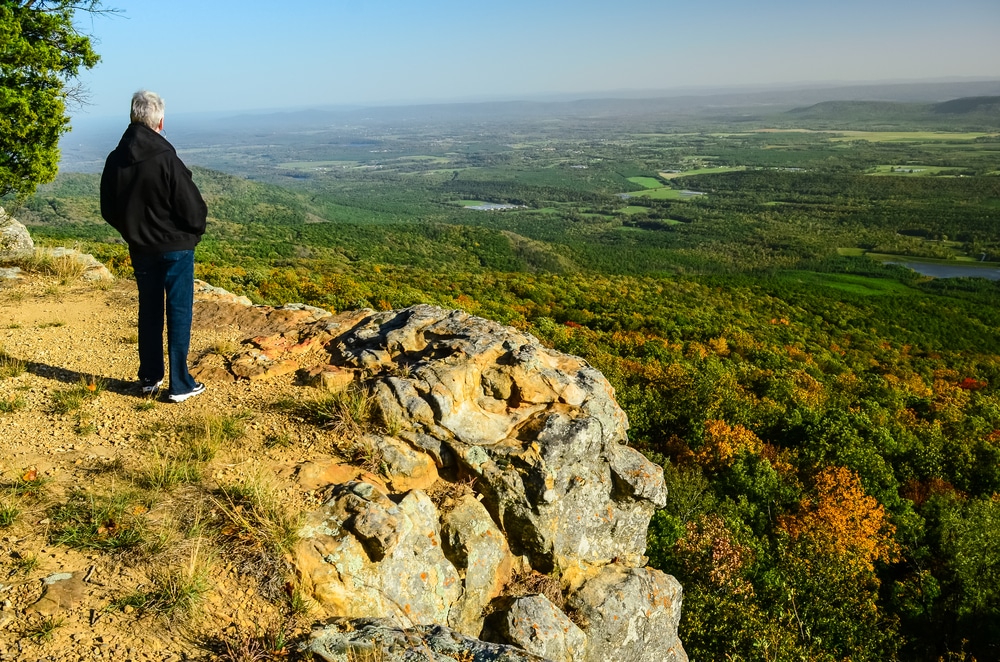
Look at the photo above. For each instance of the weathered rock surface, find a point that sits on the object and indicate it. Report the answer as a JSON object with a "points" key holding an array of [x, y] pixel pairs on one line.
{"points": [[14, 238], [630, 614], [364, 555], [538, 626], [543, 441], [62, 591], [474, 544], [382, 639]]}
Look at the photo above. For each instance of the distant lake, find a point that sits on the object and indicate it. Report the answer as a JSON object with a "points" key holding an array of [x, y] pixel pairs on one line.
{"points": [[938, 270]]}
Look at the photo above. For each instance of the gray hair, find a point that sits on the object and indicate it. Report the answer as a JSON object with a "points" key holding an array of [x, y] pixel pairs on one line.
{"points": [[147, 108]]}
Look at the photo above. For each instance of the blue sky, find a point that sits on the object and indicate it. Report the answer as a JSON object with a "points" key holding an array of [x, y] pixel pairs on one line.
{"points": [[230, 55]]}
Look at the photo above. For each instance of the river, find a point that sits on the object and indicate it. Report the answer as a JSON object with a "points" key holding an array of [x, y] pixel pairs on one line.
{"points": [[939, 270]]}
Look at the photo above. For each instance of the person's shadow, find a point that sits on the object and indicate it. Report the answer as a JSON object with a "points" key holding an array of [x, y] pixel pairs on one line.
{"points": [[68, 376]]}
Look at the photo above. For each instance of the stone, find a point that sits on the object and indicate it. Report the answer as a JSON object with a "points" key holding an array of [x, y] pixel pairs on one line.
{"points": [[256, 365], [63, 591], [384, 639], [533, 623], [205, 292], [404, 467], [538, 428], [474, 544], [631, 614], [14, 238], [323, 473], [362, 555], [329, 378]]}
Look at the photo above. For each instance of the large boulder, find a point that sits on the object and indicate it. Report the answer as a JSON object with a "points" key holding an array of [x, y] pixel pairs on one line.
{"points": [[533, 623], [474, 544], [537, 438], [14, 238], [539, 430]]}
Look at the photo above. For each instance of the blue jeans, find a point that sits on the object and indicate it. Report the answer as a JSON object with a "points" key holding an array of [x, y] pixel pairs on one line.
{"points": [[165, 282]]}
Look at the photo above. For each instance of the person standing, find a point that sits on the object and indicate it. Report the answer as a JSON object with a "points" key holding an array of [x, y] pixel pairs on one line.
{"points": [[147, 194]]}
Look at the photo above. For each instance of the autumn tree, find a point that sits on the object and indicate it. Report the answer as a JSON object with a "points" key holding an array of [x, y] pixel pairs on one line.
{"points": [[41, 54]]}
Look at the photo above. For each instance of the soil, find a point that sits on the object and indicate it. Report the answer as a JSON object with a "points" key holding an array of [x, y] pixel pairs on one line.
{"points": [[59, 338]]}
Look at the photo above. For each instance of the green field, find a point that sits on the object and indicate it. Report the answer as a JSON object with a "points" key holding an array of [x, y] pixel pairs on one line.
{"points": [[913, 170], [664, 193], [859, 285], [909, 136], [646, 182], [701, 171], [318, 165]]}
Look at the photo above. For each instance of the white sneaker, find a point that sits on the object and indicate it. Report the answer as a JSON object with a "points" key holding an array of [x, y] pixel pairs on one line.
{"points": [[149, 388], [181, 397]]}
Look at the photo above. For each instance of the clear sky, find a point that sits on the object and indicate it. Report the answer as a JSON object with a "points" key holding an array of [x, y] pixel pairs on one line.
{"points": [[227, 55]]}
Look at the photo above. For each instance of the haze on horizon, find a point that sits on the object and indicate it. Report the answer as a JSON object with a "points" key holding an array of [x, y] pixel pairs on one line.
{"points": [[239, 55]]}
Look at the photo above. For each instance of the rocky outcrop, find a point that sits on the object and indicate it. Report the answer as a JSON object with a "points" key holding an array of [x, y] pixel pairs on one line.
{"points": [[14, 238], [90, 267], [15, 242], [535, 433]]}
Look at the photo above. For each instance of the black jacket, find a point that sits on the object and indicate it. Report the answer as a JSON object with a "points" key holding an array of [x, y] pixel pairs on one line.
{"points": [[147, 194]]}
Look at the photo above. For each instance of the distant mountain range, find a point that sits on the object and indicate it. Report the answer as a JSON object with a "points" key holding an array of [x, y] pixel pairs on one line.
{"points": [[981, 109]]}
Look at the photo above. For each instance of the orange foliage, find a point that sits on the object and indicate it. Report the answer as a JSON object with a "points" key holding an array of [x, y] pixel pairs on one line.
{"points": [[842, 520], [723, 442]]}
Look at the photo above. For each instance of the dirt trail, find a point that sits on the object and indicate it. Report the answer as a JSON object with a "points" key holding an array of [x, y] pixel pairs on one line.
{"points": [[54, 340]]}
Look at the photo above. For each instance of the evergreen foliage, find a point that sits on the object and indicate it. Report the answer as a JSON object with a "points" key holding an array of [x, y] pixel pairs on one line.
{"points": [[41, 53]]}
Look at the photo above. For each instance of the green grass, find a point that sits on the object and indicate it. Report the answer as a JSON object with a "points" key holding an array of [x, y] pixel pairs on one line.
{"points": [[859, 285], [634, 209], [74, 397], [100, 522], [44, 629], [312, 165], [11, 404], [11, 366], [9, 513], [665, 193], [646, 182], [174, 593]]}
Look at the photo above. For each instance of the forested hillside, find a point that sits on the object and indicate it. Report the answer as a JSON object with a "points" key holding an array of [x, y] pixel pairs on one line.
{"points": [[829, 422]]}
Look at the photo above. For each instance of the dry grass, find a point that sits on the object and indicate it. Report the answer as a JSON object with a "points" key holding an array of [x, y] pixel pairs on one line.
{"points": [[174, 593], [350, 412], [11, 366], [258, 528], [67, 268], [264, 644], [256, 516]]}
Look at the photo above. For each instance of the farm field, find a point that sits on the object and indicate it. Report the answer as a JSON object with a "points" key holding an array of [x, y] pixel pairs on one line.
{"points": [[915, 170]]}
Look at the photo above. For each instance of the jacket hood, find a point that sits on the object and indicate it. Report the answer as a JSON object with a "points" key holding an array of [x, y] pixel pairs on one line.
{"points": [[140, 143]]}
